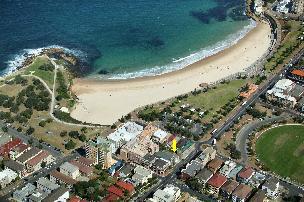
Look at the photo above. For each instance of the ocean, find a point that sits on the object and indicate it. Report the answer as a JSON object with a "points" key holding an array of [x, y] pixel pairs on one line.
{"points": [[121, 38]]}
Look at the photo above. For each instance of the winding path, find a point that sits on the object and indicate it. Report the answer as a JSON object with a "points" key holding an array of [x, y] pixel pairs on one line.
{"points": [[242, 136]]}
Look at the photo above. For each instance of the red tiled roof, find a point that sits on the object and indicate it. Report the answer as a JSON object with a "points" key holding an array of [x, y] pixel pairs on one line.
{"points": [[298, 72], [39, 158], [242, 191], [82, 168], [114, 190], [125, 186], [7, 147], [66, 179], [85, 161], [111, 197], [217, 180], [246, 173], [76, 199]]}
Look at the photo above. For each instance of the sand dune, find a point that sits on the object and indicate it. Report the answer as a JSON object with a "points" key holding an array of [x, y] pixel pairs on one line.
{"points": [[106, 101]]}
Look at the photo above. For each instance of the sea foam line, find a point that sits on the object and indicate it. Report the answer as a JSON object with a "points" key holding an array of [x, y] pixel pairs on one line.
{"points": [[181, 63], [19, 59]]}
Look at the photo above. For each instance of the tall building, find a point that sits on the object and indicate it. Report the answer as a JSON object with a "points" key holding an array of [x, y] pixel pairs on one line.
{"points": [[100, 151]]}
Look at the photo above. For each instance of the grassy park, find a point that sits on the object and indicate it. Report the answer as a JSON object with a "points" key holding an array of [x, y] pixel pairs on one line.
{"points": [[281, 150]]}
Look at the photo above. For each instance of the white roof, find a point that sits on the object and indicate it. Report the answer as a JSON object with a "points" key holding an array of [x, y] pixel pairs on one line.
{"points": [[8, 174], [160, 134], [69, 167], [284, 84], [126, 132], [143, 171]]}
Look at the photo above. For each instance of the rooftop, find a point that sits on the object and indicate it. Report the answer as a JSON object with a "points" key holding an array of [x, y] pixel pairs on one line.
{"points": [[115, 190], [125, 185], [28, 154], [126, 132], [14, 165], [82, 168], [215, 164], [204, 174], [229, 186], [4, 149], [55, 194], [47, 183], [85, 161], [40, 157], [246, 173], [68, 167], [62, 177], [217, 180], [259, 196], [298, 72], [242, 191]]}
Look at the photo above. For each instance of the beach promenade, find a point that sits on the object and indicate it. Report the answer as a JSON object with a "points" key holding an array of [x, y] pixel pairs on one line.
{"points": [[104, 102]]}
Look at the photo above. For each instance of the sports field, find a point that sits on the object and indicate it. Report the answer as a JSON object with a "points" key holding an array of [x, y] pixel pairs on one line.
{"points": [[281, 150]]}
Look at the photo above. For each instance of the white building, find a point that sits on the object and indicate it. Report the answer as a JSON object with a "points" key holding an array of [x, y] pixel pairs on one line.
{"points": [[69, 170], [169, 194], [124, 134], [46, 185], [271, 187], [141, 175], [160, 136], [6, 177], [227, 168]]}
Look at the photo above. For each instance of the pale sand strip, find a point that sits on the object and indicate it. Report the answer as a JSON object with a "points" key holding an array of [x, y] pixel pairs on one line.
{"points": [[106, 101]]}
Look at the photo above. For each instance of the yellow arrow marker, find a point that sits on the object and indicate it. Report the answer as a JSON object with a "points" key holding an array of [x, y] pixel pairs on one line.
{"points": [[174, 145]]}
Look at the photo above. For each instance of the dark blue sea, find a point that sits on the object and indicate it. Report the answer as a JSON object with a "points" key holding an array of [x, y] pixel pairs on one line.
{"points": [[121, 38]]}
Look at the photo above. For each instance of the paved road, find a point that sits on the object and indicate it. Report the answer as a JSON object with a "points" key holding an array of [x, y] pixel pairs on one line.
{"points": [[221, 130], [246, 130]]}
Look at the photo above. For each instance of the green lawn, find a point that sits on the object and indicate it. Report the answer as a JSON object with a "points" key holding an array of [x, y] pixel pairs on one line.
{"points": [[214, 99], [281, 149], [47, 76]]}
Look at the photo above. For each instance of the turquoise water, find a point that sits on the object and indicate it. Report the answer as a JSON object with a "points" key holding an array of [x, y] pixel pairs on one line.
{"points": [[121, 38]]}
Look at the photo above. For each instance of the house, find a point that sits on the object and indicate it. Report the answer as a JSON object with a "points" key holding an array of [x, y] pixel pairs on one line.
{"points": [[215, 183], [245, 175], [6, 177], [141, 175], [60, 178], [126, 170], [60, 194], [228, 188], [227, 168], [191, 169], [83, 169], [233, 173], [160, 136], [22, 194], [169, 156], [18, 150], [160, 166], [259, 196], [169, 194], [257, 179], [28, 155], [241, 193], [271, 187], [115, 190], [125, 186], [297, 74], [17, 167], [35, 163], [46, 185], [70, 170], [280, 93], [204, 175], [110, 198], [207, 155], [215, 164], [37, 196], [86, 161], [127, 132], [7, 147]]}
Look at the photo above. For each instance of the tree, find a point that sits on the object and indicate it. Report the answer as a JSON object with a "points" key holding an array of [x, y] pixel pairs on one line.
{"points": [[63, 133], [74, 134], [43, 164], [4, 129], [42, 123], [70, 145], [30, 131]]}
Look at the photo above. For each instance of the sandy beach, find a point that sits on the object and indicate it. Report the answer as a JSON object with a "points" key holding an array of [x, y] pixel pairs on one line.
{"points": [[106, 101]]}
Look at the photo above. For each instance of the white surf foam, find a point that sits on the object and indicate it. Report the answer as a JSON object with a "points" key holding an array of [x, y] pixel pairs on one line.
{"points": [[185, 61], [17, 60]]}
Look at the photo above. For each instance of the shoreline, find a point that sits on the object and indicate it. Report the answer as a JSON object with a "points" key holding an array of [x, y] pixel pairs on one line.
{"points": [[105, 101]]}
